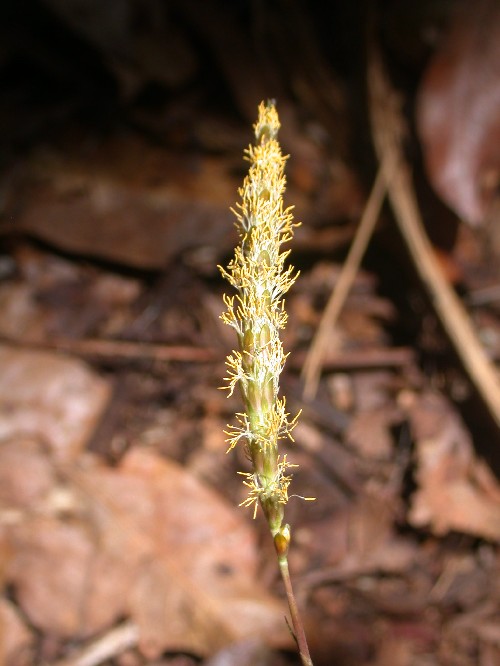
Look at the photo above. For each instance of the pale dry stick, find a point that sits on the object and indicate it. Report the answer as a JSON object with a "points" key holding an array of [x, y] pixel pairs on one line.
{"points": [[312, 367], [112, 644], [387, 133]]}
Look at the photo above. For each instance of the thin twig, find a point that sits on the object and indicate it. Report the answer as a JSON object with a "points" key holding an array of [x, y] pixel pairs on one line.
{"points": [[387, 130], [112, 644], [312, 366]]}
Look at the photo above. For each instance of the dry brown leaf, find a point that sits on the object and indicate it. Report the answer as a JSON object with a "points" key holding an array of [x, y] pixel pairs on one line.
{"points": [[145, 540], [456, 491], [49, 573], [16, 640], [99, 203], [55, 399], [358, 540], [195, 556], [458, 113]]}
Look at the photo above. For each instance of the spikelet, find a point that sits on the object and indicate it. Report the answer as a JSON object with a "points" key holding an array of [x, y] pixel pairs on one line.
{"points": [[260, 275]]}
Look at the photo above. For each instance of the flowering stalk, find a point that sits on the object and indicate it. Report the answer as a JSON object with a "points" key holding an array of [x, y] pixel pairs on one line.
{"points": [[260, 277]]}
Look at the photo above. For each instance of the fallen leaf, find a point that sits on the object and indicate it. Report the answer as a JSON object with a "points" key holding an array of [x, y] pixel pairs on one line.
{"points": [[49, 573], [458, 112], [196, 586], [456, 491], [145, 540], [53, 398], [16, 640], [98, 203], [358, 540]]}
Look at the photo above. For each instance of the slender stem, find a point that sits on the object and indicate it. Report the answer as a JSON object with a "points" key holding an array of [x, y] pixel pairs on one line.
{"points": [[298, 627], [315, 356]]}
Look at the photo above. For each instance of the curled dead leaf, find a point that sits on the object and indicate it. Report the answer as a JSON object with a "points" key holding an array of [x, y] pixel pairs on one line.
{"points": [[458, 112], [456, 491]]}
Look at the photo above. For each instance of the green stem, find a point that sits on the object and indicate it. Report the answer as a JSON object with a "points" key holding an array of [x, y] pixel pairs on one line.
{"points": [[298, 627]]}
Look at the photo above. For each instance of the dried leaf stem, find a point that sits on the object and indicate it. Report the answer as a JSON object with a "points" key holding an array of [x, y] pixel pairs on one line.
{"points": [[260, 276], [388, 132], [313, 363]]}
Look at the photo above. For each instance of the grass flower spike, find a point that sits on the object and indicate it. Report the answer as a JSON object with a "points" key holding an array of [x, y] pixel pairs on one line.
{"points": [[257, 313], [260, 275]]}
